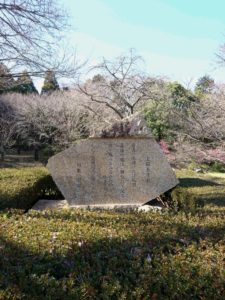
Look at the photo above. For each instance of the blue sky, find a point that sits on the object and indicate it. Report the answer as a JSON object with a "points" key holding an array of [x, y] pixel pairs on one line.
{"points": [[177, 39]]}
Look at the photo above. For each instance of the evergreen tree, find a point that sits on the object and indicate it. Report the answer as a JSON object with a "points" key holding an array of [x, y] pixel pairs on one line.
{"points": [[204, 85], [7, 82], [181, 96], [25, 84], [98, 78], [50, 83]]}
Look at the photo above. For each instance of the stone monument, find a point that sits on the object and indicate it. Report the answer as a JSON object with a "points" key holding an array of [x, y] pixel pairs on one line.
{"points": [[120, 166]]}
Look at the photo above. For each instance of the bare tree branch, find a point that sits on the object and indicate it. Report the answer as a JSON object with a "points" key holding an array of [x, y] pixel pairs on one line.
{"points": [[31, 36], [121, 85]]}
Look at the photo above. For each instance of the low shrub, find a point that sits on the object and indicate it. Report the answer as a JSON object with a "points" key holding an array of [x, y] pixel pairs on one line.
{"points": [[48, 151], [183, 200], [208, 166], [217, 166], [74, 254], [21, 188], [77, 254]]}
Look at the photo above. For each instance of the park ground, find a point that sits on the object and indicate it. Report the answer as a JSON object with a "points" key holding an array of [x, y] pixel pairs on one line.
{"points": [[75, 254]]}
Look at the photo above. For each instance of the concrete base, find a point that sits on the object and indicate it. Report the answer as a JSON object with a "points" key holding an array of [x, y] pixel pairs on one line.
{"points": [[50, 204], [63, 204]]}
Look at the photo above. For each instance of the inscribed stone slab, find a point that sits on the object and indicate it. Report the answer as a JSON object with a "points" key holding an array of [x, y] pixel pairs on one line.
{"points": [[112, 171]]}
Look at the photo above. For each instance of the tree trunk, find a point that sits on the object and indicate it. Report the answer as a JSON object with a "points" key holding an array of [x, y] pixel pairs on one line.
{"points": [[131, 110], [36, 154], [18, 150], [2, 152]]}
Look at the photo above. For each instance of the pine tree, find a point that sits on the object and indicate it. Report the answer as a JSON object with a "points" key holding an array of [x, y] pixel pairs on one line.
{"points": [[25, 84], [204, 85], [182, 97], [7, 82], [50, 83]]}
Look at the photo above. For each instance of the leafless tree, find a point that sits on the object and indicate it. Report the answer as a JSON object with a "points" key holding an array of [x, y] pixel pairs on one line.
{"points": [[220, 55], [120, 85], [55, 120], [31, 35], [7, 127]]}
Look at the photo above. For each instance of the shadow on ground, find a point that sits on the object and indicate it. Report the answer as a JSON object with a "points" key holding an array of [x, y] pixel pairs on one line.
{"points": [[216, 199], [111, 268], [197, 182]]}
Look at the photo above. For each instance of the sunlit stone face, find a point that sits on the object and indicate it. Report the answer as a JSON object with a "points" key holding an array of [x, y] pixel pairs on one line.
{"points": [[101, 171]]}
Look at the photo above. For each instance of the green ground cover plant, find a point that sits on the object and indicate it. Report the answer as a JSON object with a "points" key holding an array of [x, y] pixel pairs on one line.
{"points": [[21, 188], [108, 255], [75, 254]]}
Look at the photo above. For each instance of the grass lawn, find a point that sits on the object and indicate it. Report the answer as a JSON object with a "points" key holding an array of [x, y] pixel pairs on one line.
{"points": [[74, 254]]}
